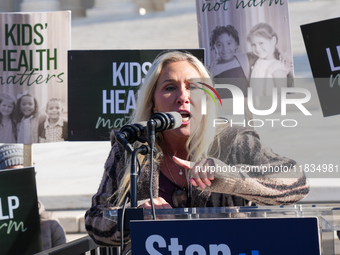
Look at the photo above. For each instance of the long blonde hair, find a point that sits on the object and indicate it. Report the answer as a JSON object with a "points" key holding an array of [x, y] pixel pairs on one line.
{"points": [[144, 110]]}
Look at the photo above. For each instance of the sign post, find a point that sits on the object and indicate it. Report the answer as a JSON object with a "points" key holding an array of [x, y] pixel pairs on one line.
{"points": [[28, 155]]}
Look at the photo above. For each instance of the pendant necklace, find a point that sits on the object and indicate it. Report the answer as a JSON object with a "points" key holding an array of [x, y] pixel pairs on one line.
{"points": [[180, 196], [180, 169], [167, 166]]}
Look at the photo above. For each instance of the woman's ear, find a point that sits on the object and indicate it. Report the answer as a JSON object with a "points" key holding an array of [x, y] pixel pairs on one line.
{"points": [[154, 110]]}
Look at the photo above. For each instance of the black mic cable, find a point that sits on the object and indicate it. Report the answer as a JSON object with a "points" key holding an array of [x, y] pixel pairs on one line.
{"points": [[151, 127]]}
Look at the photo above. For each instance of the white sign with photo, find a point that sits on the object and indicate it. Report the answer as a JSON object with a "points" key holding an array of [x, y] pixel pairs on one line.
{"points": [[248, 42], [33, 77]]}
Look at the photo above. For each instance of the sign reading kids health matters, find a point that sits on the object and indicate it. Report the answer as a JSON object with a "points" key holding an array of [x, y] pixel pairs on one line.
{"points": [[103, 87], [33, 76], [247, 44]]}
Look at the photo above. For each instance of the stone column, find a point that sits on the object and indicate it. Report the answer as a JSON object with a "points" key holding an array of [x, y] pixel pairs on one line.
{"points": [[39, 5], [112, 7]]}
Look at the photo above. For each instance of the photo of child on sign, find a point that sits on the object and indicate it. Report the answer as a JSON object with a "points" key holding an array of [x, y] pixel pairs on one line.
{"points": [[248, 47]]}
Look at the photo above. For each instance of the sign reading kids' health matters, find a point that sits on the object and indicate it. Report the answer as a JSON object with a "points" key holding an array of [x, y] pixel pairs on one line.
{"points": [[247, 44], [33, 76], [103, 88]]}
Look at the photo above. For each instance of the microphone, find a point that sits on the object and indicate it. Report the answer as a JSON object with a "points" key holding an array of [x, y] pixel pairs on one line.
{"points": [[162, 121], [128, 134], [166, 121], [134, 132]]}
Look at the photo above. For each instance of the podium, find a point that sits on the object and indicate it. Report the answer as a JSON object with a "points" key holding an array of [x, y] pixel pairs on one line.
{"points": [[293, 229]]}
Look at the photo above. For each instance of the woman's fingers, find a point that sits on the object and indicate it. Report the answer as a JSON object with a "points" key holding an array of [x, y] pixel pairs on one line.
{"points": [[159, 203], [200, 176], [182, 162], [198, 182], [201, 173]]}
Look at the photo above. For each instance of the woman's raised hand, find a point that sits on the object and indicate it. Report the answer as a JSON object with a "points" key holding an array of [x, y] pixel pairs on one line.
{"points": [[202, 172]]}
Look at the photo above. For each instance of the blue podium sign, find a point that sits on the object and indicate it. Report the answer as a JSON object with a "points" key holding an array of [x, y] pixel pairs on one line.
{"points": [[260, 236]]}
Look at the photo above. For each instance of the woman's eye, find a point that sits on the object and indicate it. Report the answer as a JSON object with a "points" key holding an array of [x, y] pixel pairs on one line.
{"points": [[170, 88], [193, 87]]}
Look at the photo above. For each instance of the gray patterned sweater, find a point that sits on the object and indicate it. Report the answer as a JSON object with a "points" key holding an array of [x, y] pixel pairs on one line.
{"points": [[240, 148]]}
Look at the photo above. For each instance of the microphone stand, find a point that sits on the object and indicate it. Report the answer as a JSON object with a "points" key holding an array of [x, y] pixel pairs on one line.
{"points": [[132, 213], [134, 174], [158, 122], [125, 215]]}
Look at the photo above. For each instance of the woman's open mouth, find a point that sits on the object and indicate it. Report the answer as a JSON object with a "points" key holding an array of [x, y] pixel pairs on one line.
{"points": [[185, 117]]}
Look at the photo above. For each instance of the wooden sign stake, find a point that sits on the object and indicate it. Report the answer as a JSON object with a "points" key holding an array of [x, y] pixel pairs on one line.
{"points": [[28, 155]]}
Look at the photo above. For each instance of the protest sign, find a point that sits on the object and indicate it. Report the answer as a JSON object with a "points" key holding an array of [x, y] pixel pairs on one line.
{"points": [[249, 236], [33, 64], [247, 43], [19, 214], [102, 89], [323, 48]]}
